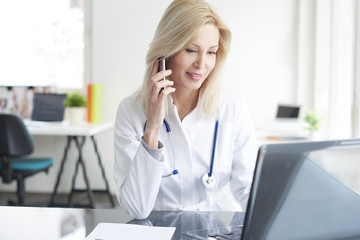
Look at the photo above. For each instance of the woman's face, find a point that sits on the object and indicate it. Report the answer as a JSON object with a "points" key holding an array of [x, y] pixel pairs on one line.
{"points": [[192, 65]]}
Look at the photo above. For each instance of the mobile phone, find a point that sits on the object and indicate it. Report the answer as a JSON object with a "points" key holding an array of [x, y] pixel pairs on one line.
{"points": [[161, 65]]}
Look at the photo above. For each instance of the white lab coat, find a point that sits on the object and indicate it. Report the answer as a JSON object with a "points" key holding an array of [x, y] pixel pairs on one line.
{"points": [[140, 185]]}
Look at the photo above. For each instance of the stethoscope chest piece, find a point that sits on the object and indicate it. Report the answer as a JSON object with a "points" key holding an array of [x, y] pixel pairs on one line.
{"points": [[208, 181]]}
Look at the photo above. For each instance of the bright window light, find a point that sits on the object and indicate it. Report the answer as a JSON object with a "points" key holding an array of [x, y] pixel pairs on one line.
{"points": [[42, 43]]}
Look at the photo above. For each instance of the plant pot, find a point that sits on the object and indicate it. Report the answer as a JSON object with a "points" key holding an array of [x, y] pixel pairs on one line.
{"points": [[75, 115], [314, 136]]}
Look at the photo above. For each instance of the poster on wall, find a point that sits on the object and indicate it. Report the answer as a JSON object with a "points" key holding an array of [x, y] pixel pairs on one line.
{"points": [[19, 100]]}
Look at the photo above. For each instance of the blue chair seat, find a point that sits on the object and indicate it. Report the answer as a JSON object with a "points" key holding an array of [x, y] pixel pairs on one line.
{"points": [[30, 163], [16, 143]]}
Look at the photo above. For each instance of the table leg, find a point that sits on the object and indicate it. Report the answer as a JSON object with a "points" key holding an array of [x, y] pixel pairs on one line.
{"points": [[60, 171], [79, 142], [81, 161], [107, 190], [76, 172]]}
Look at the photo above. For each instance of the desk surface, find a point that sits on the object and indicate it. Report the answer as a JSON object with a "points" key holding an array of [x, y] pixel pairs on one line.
{"points": [[57, 223], [65, 129]]}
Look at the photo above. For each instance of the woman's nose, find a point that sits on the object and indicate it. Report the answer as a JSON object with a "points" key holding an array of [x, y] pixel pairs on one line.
{"points": [[200, 61]]}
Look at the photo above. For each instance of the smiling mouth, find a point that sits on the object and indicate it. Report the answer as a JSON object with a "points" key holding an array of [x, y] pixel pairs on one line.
{"points": [[194, 75]]}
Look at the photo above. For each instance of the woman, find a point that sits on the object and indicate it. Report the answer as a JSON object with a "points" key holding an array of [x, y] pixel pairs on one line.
{"points": [[167, 134]]}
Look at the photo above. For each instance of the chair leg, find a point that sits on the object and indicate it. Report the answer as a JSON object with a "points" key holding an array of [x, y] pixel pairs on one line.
{"points": [[21, 190]]}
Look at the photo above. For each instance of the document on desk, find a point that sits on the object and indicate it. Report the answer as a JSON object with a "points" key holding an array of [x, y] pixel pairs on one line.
{"points": [[115, 231]]}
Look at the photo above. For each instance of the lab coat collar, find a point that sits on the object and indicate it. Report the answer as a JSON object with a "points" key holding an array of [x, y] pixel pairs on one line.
{"points": [[172, 110]]}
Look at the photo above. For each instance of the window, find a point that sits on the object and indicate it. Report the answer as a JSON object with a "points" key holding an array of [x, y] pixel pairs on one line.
{"points": [[42, 43], [329, 86]]}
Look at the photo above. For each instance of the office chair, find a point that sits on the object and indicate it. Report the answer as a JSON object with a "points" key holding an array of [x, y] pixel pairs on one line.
{"points": [[16, 142]]}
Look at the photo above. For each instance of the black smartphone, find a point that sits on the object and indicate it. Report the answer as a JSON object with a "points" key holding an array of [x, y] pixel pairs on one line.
{"points": [[161, 65]]}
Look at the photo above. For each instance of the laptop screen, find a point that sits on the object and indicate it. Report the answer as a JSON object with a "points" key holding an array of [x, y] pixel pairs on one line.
{"points": [[48, 107], [308, 190], [288, 111]]}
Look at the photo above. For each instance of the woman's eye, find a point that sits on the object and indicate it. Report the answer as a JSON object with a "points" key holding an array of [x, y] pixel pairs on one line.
{"points": [[190, 50], [212, 52]]}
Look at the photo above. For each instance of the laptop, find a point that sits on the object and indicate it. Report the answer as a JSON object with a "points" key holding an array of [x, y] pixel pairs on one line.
{"points": [[288, 111], [48, 107], [303, 190]]}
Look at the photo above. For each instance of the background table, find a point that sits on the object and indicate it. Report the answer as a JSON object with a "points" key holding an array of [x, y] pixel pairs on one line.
{"points": [[78, 134]]}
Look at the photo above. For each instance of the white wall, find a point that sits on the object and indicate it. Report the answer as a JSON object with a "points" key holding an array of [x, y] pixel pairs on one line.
{"points": [[261, 67]]}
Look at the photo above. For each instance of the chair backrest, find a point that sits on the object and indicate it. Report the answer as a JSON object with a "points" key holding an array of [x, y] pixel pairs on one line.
{"points": [[15, 139]]}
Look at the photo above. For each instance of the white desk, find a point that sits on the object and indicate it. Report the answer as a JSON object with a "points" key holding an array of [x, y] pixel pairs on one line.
{"points": [[77, 134], [281, 131], [65, 129]]}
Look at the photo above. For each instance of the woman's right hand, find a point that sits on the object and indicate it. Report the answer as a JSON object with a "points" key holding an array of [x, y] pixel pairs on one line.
{"points": [[156, 95]]}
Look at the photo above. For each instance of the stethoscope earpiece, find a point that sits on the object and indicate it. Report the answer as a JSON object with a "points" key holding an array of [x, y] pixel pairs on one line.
{"points": [[174, 172]]}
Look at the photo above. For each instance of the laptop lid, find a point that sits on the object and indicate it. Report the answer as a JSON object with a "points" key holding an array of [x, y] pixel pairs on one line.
{"points": [[287, 111], [308, 190], [48, 107]]}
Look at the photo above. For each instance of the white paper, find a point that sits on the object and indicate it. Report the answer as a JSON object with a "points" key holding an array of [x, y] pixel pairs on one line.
{"points": [[115, 231]]}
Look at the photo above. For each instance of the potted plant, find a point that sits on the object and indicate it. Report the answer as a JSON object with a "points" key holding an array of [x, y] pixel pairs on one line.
{"points": [[75, 104], [313, 123]]}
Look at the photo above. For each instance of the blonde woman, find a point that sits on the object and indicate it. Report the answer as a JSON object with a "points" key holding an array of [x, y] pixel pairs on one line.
{"points": [[181, 139]]}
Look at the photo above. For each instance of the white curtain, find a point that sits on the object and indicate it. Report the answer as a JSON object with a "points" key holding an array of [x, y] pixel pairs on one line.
{"points": [[326, 64]]}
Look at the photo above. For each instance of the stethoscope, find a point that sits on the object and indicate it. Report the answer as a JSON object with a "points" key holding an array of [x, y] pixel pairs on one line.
{"points": [[208, 178]]}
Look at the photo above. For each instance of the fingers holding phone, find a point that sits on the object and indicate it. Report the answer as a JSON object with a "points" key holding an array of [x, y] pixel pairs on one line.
{"points": [[161, 67], [160, 87]]}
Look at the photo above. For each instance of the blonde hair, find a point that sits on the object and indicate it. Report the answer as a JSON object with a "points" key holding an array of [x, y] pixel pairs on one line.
{"points": [[176, 29]]}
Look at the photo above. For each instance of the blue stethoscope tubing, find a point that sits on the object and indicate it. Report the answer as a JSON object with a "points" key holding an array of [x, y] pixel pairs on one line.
{"points": [[208, 179], [214, 147], [168, 130]]}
